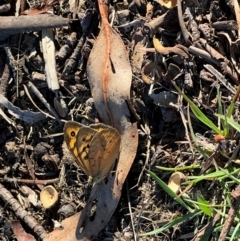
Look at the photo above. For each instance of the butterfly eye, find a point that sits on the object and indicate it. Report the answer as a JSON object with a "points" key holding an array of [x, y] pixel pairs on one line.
{"points": [[73, 133]]}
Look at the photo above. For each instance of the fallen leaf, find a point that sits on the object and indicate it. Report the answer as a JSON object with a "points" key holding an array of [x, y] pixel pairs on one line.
{"points": [[151, 72], [177, 49], [67, 232], [20, 233], [168, 3], [175, 181], [110, 75]]}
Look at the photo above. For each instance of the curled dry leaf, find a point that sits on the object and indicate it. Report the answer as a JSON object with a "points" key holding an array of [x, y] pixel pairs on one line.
{"points": [[168, 3], [48, 196], [172, 71], [31, 195], [151, 72], [175, 181], [177, 49]]}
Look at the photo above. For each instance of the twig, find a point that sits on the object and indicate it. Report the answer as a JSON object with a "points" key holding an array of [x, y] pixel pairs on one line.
{"points": [[12, 62], [214, 60], [30, 98], [13, 25], [185, 32], [4, 68], [22, 214], [29, 181]]}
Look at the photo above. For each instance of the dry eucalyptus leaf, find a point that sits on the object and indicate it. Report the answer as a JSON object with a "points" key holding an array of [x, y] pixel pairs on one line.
{"points": [[138, 55], [69, 226], [20, 233], [175, 181], [109, 75]]}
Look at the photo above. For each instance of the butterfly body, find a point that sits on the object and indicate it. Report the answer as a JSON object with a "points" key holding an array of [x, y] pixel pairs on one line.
{"points": [[95, 147]]}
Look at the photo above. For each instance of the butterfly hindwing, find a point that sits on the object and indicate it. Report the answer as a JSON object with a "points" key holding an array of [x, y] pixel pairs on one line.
{"points": [[111, 141], [96, 152]]}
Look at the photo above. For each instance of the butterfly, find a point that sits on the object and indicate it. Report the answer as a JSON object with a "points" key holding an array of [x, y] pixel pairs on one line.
{"points": [[95, 147]]}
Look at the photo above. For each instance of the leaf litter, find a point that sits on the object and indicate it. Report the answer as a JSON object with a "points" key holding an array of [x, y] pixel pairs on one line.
{"points": [[92, 61]]}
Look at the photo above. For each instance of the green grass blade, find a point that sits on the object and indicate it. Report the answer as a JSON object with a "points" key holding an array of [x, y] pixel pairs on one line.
{"points": [[168, 190], [178, 169], [231, 107], [204, 205], [220, 111], [235, 233], [213, 175], [198, 113], [231, 122], [172, 223]]}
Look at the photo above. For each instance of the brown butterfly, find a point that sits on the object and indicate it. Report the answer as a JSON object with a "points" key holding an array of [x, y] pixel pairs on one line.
{"points": [[95, 147]]}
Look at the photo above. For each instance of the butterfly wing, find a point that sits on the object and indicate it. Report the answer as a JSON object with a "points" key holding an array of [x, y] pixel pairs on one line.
{"points": [[103, 152], [77, 138], [99, 127], [95, 158], [71, 129], [95, 148], [83, 145], [112, 143]]}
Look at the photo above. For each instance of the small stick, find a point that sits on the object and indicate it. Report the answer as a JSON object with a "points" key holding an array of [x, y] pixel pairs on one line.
{"points": [[13, 25], [30, 181], [22, 214], [185, 33]]}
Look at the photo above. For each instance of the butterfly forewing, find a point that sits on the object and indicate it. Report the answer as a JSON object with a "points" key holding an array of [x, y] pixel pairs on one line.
{"points": [[82, 145], [99, 127], [71, 130]]}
